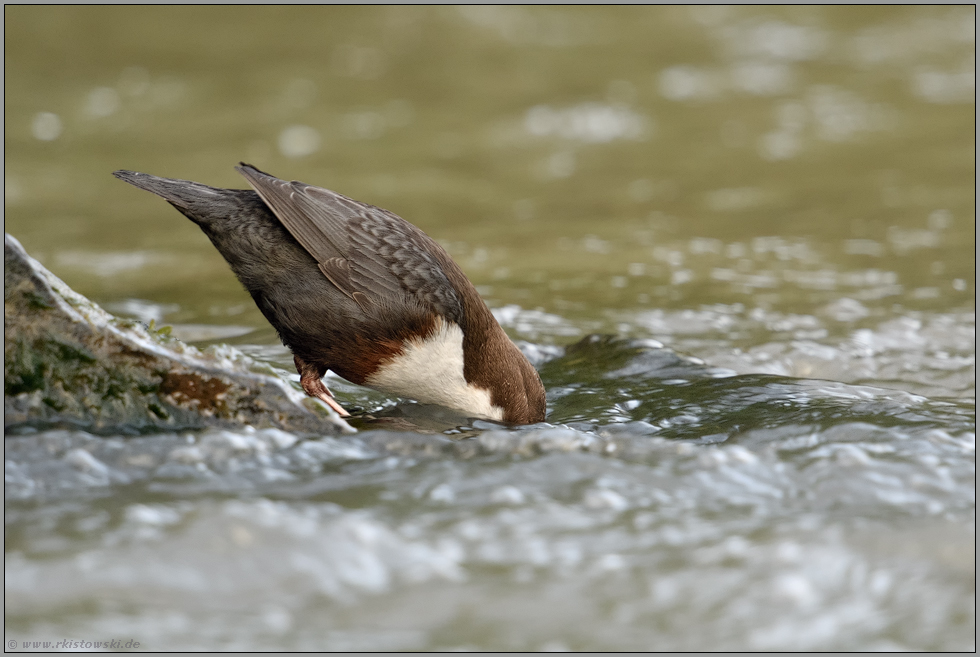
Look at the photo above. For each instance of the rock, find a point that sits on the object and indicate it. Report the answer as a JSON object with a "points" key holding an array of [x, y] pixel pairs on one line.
{"points": [[68, 363]]}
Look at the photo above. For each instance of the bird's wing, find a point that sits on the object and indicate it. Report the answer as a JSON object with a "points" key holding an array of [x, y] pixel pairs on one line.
{"points": [[369, 254]]}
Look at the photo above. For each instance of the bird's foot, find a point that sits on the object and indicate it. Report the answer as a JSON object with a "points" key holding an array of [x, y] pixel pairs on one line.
{"points": [[328, 399], [309, 378]]}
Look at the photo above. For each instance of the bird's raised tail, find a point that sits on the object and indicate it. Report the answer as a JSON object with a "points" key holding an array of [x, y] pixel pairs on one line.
{"points": [[184, 194], [198, 202]]}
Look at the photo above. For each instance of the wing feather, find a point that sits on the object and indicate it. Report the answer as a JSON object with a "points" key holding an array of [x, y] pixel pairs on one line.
{"points": [[371, 255]]}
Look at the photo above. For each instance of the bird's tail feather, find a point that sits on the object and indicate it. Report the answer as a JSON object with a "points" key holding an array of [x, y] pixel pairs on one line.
{"points": [[183, 194]]}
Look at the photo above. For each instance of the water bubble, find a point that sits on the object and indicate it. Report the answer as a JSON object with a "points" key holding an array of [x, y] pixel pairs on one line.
{"points": [[789, 552], [795, 588], [945, 87], [672, 257], [846, 310], [364, 125], [611, 562], [299, 141], [524, 26], [689, 83], [102, 102], [904, 240], [277, 620], [940, 219], [46, 126], [780, 145], [774, 39], [603, 498], [840, 114], [554, 646], [109, 263], [701, 245], [595, 244], [154, 514], [681, 276], [762, 78], [507, 495], [84, 461], [442, 493], [145, 311], [587, 122], [734, 199]]}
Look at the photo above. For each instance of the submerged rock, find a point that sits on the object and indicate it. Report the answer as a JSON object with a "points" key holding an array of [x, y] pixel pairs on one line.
{"points": [[69, 363]]}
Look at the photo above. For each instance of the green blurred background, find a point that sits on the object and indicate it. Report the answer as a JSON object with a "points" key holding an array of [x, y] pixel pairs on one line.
{"points": [[588, 162]]}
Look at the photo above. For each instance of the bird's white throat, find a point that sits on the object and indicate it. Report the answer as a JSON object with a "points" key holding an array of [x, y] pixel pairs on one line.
{"points": [[430, 370]]}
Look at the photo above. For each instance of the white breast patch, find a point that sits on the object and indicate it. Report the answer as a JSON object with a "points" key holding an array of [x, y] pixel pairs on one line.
{"points": [[431, 371]]}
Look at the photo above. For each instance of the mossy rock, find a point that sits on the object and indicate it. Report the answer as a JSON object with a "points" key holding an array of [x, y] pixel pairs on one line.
{"points": [[67, 362]]}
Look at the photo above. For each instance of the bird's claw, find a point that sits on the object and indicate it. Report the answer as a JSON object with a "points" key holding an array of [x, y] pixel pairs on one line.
{"points": [[332, 403]]}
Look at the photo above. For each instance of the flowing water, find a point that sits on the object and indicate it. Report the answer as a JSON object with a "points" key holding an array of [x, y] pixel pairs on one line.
{"points": [[738, 243]]}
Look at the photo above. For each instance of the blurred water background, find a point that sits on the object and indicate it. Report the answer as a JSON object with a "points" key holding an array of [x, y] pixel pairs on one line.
{"points": [[785, 194]]}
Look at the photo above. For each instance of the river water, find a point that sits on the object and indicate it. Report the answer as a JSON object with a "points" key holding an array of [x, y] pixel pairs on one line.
{"points": [[738, 243]]}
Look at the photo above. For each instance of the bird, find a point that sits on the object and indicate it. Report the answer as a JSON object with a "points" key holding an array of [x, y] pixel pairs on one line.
{"points": [[357, 290]]}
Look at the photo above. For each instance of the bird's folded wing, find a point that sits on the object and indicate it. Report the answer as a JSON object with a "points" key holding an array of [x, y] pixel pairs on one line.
{"points": [[369, 254]]}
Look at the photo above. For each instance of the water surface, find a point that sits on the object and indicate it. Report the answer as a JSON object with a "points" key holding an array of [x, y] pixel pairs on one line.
{"points": [[766, 215]]}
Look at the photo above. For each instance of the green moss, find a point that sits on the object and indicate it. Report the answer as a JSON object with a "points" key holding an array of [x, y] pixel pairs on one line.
{"points": [[37, 302], [148, 388], [115, 390], [158, 410], [26, 372], [69, 352], [54, 403]]}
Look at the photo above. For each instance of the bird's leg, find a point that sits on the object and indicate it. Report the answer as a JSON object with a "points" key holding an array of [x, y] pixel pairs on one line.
{"points": [[309, 378]]}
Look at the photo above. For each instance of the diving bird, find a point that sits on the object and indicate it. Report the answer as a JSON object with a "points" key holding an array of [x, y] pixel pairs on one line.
{"points": [[359, 291]]}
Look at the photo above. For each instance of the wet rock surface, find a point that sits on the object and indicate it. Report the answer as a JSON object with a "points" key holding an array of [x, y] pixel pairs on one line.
{"points": [[68, 363]]}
